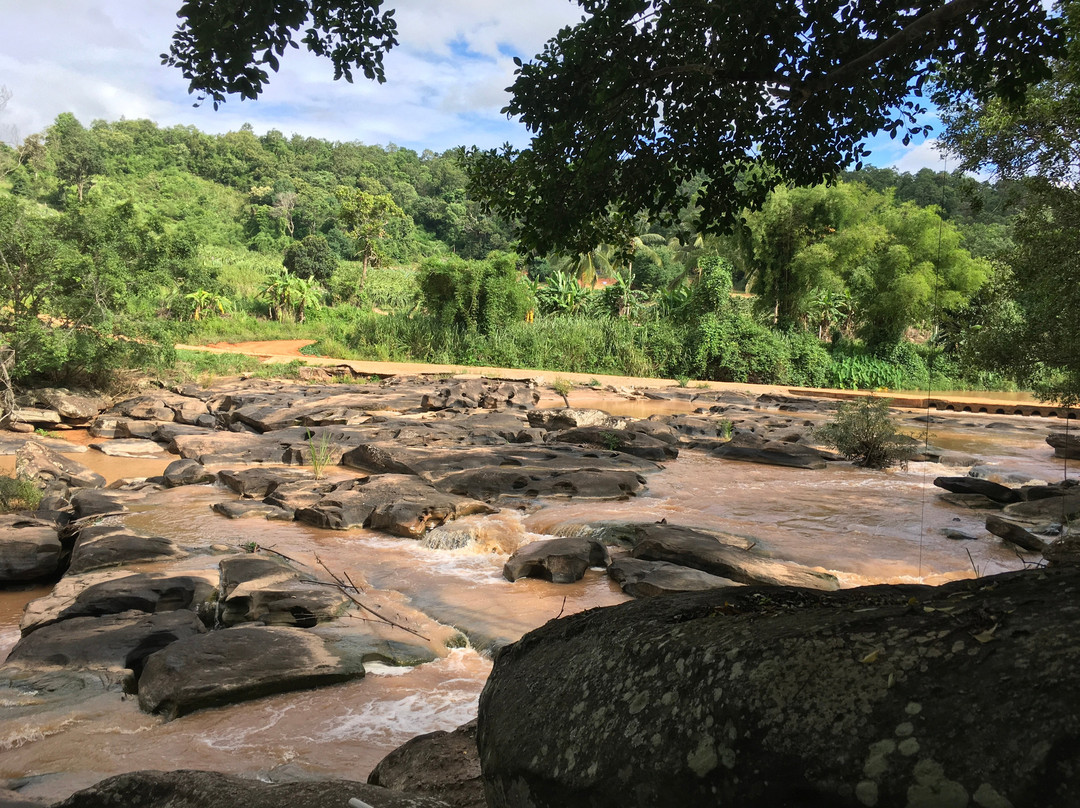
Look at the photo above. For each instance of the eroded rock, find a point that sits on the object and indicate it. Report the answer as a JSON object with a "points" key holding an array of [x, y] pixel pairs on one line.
{"points": [[561, 561], [30, 549]]}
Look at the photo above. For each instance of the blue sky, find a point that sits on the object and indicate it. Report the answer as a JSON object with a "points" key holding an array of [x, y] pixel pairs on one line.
{"points": [[445, 87]]}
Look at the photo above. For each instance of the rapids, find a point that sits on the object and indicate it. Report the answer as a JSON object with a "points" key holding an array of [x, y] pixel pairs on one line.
{"points": [[864, 526]]}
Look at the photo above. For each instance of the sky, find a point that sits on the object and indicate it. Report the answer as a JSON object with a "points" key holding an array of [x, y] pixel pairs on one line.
{"points": [[446, 80]]}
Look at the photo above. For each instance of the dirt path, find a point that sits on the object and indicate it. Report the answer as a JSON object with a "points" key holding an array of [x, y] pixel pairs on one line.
{"points": [[280, 351]]}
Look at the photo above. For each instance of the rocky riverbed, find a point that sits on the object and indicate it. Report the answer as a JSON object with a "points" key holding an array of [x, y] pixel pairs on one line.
{"points": [[191, 622]]}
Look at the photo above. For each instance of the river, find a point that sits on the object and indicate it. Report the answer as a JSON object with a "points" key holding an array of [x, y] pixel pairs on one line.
{"points": [[864, 526]]}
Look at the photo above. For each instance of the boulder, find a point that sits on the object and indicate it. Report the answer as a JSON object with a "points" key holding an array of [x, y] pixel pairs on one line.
{"points": [[975, 485], [634, 442], [481, 393], [396, 503], [35, 415], [129, 448], [197, 789], [30, 549], [266, 590], [259, 483], [246, 508], [561, 561], [763, 697], [76, 407], [36, 462], [571, 418], [1014, 533], [237, 664], [750, 448], [121, 640], [443, 765], [645, 579], [493, 482], [1065, 445], [93, 502], [1061, 509], [101, 546], [1064, 550], [705, 552], [187, 472], [973, 501]]}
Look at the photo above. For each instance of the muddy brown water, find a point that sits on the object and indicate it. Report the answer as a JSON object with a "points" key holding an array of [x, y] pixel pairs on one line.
{"points": [[864, 526]]}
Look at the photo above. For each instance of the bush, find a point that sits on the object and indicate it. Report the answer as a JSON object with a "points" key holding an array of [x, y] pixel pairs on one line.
{"points": [[311, 257], [475, 295], [18, 494], [863, 431]]}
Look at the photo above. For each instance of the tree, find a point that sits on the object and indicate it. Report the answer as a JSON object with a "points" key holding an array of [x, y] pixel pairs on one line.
{"points": [[78, 156], [221, 46], [641, 98], [364, 217], [311, 257]]}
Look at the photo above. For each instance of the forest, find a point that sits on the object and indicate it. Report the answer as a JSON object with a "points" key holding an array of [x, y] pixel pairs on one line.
{"points": [[120, 239]]}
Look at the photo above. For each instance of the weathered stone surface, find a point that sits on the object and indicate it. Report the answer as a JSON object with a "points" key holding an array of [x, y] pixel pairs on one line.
{"points": [[1052, 509], [570, 418], [396, 503], [1012, 532], [443, 765], [245, 509], [110, 546], [259, 483], [268, 590], [228, 447], [237, 664], [1065, 550], [704, 552], [974, 485], [187, 472], [34, 461], [482, 394], [770, 697], [9, 798], [35, 415], [121, 640], [100, 594], [561, 561], [30, 549], [77, 407], [974, 501], [490, 483], [1065, 445], [132, 447], [645, 579], [753, 449], [634, 442], [94, 502], [197, 789]]}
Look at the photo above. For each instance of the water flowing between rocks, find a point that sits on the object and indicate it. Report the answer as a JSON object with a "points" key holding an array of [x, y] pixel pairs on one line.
{"points": [[863, 526]]}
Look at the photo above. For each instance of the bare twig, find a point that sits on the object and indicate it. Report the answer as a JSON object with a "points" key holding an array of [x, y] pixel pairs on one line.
{"points": [[972, 560], [345, 591], [560, 614]]}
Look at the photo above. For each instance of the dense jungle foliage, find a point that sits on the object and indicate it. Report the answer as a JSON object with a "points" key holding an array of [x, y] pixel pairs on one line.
{"points": [[119, 240]]}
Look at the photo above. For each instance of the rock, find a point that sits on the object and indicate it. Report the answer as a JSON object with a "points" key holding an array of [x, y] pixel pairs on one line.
{"points": [[1060, 509], [396, 503], [974, 501], [974, 485], [704, 552], [91, 502], [129, 448], [1065, 550], [266, 590], [645, 579], [630, 534], [246, 508], [1014, 533], [561, 561], [18, 426], [33, 415], [752, 449], [72, 406], [35, 462], [13, 799], [443, 765], [571, 418], [637, 443], [958, 535], [237, 664], [102, 546], [997, 475], [121, 640], [196, 789], [30, 549], [187, 472], [787, 697], [507, 481], [148, 592], [1065, 445], [259, 483], [481, 393]]}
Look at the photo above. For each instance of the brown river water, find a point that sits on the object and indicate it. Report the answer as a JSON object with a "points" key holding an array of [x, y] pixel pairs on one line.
{"points": [[864, 526]]}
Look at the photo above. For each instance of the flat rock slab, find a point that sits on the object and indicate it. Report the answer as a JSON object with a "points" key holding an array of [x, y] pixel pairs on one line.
{"points": [[789, 697], [1014, 533], [245, 509], [1067, 446], [238, 664], [129, 448], [258, 483], [269, 591], [197, 789], [1060, 509], [114, 641], [110, 546], [573, 417], [706, 553], [399, 504], [30, 549], [774, 453], [974, 485], [36, 462], [561, 561], [646, 579], [490, 483], [630, 441], [187, 472]]}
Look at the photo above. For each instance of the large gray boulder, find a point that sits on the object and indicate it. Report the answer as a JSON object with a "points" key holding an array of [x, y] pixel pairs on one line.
{"points": [[960, 695], [30, 549], [101, 546], [266, 590], [974, 485], [237, 664], [1065, 445], [198, 789], [646, 579], [187, 472], [561, 561], [444, 765]]}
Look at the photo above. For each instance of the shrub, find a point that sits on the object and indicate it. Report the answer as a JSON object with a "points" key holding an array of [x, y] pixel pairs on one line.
{"points": [[311, 257], [863, 431], [18, 494]]}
